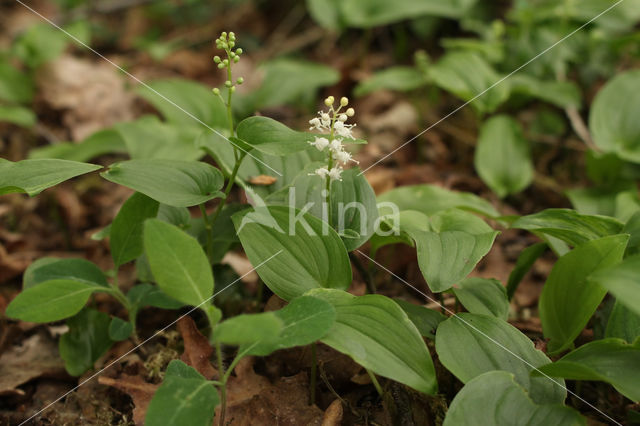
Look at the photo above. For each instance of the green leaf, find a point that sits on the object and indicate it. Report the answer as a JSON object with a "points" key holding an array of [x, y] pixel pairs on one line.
{"points": [[325, 13], [34, 176], [613, 118], [563, 94], [148, 137], [51, 300], [40, 43], [495, 398], [185, 95], [483, 296], [303, 252], [185, 397], [272, 137], [15, 86], [126, 229], [568, 298], [502, 156], [248, 328], [103, 142], [622, 280], [623, 323], [305, 320], [371, 13], [85, 342], [50, 268], [451, 73], [451, 250], [178, 263], [568, 225], [175, 183], [303, 81], [469, 345], [632, 227], [19, 115], [608, 360], [377, 334], [426, 320], [524, 263], [145, 294], [430, 199], [119, 329], [401, 79]]}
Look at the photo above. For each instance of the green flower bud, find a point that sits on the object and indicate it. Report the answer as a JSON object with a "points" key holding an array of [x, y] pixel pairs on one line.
{"points": [[232, 43], [225, 62], [223, 35], [239, 51], [221, 65], [233, 89], [240, 80], [217, 59], [228, 83], [236, 59], [216, 91]]}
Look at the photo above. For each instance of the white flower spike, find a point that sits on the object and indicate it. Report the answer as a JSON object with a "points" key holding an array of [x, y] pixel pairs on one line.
{"points": [[320, 143], [335, 173]]}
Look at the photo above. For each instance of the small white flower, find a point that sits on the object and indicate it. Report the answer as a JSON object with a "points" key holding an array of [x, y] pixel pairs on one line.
{"points": [[325, 117], [343, 130], [320, 143], [322, 172], [335, 145], [351, 112], [343, 117], [343, 157], [315, 124], [335, 173]]}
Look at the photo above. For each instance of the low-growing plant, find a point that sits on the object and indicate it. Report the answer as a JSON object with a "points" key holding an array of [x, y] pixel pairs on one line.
{"points": [[302, 233]]}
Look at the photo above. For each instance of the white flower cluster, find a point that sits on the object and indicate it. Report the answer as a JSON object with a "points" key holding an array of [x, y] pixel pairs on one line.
{"points": [[334, 122]]}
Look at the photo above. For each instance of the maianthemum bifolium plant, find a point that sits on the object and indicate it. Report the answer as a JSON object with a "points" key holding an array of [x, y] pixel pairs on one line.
{"points": [[299, 232]]}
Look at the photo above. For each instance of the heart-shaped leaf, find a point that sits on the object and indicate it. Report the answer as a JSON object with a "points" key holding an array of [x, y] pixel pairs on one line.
{"points": [[51, 300], [502, 156], [469, 345], [495, 398], [608, 360], [178, 263], [34, 176], [175, 183], [303, 252], [126, 229], [377, 334], [568, 299], [119, 329]]}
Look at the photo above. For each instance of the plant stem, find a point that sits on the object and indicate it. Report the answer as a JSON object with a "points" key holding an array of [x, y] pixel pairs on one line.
{"points": [[223, 387], [312, 381], [208, 230], [227, 190], [366, 275], [375, 382]]}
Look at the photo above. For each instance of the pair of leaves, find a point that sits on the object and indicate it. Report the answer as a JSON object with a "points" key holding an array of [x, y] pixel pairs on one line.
{"points": [[184, 396], [34, 176], [569, 298], [303, 252]]}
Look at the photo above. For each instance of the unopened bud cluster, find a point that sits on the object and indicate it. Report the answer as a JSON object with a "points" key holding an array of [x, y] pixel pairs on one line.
{"points": [[334, 122], [227, 42]]}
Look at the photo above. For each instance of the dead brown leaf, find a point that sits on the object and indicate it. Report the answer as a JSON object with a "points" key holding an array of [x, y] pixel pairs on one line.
{"points": [[333, 414], [141, 392], [90, 95], [197, 349], [36, 357]]}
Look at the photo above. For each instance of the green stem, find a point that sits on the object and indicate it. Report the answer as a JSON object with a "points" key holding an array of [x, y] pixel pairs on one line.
{"points": [[223, 387], [312, 381], [117, 293], [227, 190], [364, 273], [329, 166], [375, 382], [208, 230]]}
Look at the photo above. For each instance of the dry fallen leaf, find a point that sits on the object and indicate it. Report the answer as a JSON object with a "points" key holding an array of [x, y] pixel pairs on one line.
{"points": [[197, 349], [140, 391], [36, 357], [241, 265], [333, 414], [262, 180]]}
